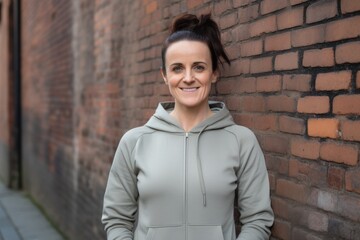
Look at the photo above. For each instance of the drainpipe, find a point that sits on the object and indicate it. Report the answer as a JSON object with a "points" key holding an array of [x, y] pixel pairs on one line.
{"points": [[16, 172]]}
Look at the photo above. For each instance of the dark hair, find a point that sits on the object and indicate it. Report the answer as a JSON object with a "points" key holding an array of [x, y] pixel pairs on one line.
{"points": [[203, 29]]}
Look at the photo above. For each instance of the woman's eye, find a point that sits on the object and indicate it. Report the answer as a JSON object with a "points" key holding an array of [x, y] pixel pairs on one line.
{"points": [[177, 69], [199, 68]]}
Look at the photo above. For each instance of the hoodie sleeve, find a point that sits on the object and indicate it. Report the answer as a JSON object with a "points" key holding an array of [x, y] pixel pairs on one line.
{"points": [[120, 200], [256, 215]]}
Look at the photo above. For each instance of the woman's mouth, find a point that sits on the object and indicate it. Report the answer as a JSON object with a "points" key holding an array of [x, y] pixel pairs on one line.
{"points": [[192, 89]]}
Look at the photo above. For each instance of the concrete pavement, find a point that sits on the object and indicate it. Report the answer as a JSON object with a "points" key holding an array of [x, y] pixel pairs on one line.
{"points": [[20, 219]]}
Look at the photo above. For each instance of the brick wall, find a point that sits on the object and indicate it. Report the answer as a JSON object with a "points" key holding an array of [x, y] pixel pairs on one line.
{"points": [[91, 72]]}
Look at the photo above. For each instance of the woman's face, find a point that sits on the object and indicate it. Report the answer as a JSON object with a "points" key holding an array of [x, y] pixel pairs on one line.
{"points": [[189, 73]]}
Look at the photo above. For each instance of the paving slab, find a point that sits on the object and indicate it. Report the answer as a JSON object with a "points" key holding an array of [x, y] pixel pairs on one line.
{"points": [[20, 219]]}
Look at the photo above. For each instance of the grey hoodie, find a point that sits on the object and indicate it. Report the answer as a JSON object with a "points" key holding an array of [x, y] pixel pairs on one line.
{"points": [[166, 184]]}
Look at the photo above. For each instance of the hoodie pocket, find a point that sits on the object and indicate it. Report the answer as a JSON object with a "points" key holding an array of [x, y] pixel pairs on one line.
{"points": [[166, 233], [205, 232]]}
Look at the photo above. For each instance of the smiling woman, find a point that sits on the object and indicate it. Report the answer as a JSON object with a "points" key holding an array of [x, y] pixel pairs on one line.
{"points": [[177, 176]]}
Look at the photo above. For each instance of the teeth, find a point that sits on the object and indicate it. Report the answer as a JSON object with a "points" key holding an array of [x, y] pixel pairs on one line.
{"points": [[189, 89]]}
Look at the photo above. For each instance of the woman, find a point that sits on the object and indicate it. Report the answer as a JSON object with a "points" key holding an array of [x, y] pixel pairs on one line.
{"points": [[176, 177]]}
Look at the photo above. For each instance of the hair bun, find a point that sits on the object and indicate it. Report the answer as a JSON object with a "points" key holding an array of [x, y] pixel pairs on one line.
{"points": [[189, 22]]}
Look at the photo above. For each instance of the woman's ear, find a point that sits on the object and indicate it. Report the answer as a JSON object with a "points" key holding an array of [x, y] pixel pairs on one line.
{"points": [[214, 77], [163, 74]]}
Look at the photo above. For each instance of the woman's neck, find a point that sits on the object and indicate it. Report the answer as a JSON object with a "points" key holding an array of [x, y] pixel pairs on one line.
{"points": [[190, 117]]}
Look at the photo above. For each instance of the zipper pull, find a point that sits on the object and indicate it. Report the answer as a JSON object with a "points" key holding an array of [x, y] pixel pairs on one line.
{"points": [[186, 135]]}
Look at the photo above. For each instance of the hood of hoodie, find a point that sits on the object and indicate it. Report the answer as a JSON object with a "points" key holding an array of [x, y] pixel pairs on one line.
{"points": [[163, 121]]}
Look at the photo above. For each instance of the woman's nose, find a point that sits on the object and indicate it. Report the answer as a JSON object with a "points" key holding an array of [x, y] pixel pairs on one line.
{"points": [[188, 77]]}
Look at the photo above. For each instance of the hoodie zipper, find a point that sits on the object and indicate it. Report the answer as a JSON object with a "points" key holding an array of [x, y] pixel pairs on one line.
{"points": [[185, 183]]}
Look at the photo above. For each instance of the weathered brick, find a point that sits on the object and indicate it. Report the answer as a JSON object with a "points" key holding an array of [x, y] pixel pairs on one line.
{"points": [[348, 6], [339, 153], [252, 103], [318, 221], [246, 85], [277, 164], [274, 143], [291, 190], [251, 48], [320, 57], [272, 180], [278, 42], [298, 82], [345, 229], [309, 149], [228, 20], [323, 127], [295, 2], [281, 229], [220, 7], [342, 29], [348, 53], [314, 104], [308, 36], [237, 67], [280, 207], [233, 103], [333, 81], [309, 172], [358, 79], [350, 130], [323, 199], [248, 13], [349, 207], [352, 180], [270, 83], [335, 177], [241, 32], [152, 6], [268, 6], [292, 17], [291, 125], [259, 65], [263, 25], [265, 123], [240, 3], [287, 61], [346, 104], [321, 10], [301, 234], [280, 103]]}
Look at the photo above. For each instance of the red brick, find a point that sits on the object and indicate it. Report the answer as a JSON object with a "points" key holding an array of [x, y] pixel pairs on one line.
{"points": [[265, 122], [346, 104], [233, 103], [308, 36], [281, 229], [350, 130], [245, 119], [292, 17], [291, 125], [251, 48], [314, 104], [348, 53], [248, 13], [151, 7], [233, 51], [280, 207], [319, 58], [280, 103], [287, 61], [291, 190], [352, 180], [309, 149], [335, 177], [237, 67], [321, 10], [274, 143], [323, 199], [228, 20], [252, 103], [358, 79], [323, 127], [220, 7], [278, 42], [333, 81], [226, 86], [263, 25], [298, 82], [342, 29], [240, 3], [339, 153], [245, 85], [268, 6], [348, 6], [272, 180], [260, 65], [270, 83]]}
